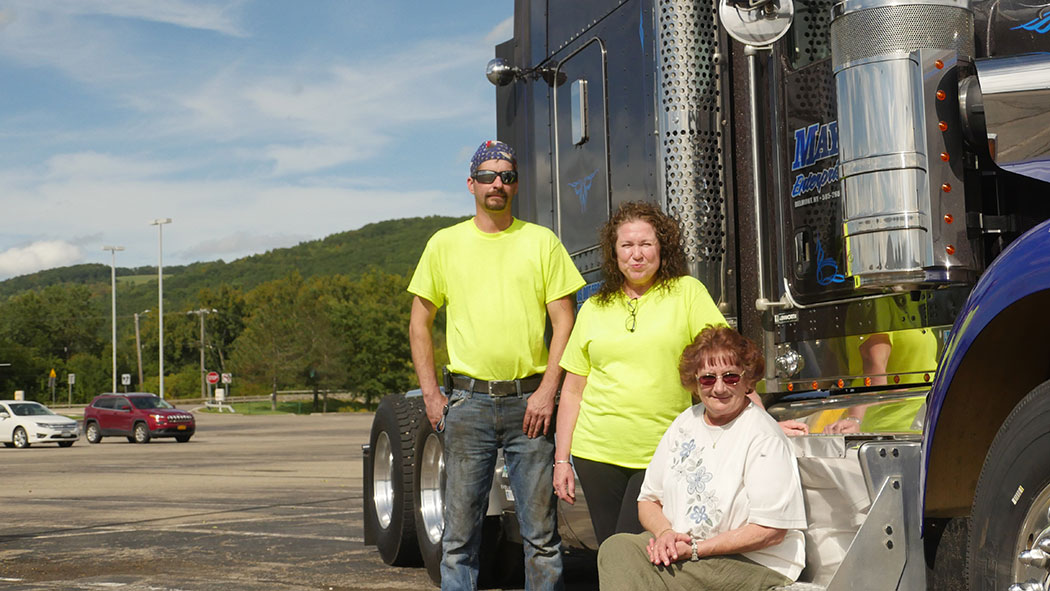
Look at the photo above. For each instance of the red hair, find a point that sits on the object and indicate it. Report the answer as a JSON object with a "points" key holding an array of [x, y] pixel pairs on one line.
{"points": [[724, 344]]}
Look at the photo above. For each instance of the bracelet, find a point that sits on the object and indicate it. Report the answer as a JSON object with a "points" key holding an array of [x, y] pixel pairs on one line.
{"points": [[556, 462], [695, 557], [851, 418], [662, 532]]}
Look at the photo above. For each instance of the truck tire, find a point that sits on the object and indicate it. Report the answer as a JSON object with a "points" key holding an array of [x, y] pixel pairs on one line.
{"points": [[393, 434], [1013, 497], [428, 500]]}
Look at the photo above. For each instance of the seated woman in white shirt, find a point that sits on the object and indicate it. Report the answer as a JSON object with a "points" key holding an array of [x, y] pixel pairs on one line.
{"points": [[721, 499]]}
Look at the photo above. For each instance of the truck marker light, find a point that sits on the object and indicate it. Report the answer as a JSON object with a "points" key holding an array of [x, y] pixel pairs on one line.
{"points": [[943, 126], [791, 387], [867, 381], [841, 383], [925, 377], [896, 379], [949, 249], [939, 64], [948, 218], [944, 156], [941, 95], [814, 385], [947, 188]]}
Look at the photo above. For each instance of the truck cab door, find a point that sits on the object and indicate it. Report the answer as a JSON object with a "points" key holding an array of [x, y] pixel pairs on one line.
{"points": [[581, 151]]}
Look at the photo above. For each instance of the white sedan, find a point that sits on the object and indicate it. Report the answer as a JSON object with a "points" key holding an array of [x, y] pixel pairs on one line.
{"points": [[23, 423]]}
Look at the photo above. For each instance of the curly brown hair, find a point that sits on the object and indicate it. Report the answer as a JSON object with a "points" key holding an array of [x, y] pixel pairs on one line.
{"points": [[724, 343], [672, 255]]}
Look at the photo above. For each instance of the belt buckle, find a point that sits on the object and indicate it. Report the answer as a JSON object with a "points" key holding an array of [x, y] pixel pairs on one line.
{"points": [[489, 385]]}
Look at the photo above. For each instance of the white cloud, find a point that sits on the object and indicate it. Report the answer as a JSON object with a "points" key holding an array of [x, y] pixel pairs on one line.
{"points": [[501, 32], [239, 243], [249, 142], [289, 159], [344, 111], [208, 16], [95, 165], [38, 255]]}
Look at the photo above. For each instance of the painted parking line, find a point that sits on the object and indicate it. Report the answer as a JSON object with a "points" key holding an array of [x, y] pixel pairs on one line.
{"points": [[195, 529]]}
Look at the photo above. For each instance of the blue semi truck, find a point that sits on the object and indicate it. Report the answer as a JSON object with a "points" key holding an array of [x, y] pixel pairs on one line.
{"points": [[864, 187]]}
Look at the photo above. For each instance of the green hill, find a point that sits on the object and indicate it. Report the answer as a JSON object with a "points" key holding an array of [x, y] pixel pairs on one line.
{"points": [[391, 246], [329, 313]]}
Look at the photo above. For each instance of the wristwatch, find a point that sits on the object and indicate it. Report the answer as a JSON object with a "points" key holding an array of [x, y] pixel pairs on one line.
{"points": [[694, 557]]}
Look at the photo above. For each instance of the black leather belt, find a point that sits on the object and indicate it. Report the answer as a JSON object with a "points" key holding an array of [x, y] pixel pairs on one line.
{"points": [[497, 388]]}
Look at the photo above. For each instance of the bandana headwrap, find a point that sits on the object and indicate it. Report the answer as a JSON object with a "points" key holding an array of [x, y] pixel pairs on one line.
{"points": [[492, 150]]}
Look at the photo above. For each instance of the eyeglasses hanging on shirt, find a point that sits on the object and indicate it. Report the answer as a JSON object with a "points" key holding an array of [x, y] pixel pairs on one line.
{"points": [[632, 314]]}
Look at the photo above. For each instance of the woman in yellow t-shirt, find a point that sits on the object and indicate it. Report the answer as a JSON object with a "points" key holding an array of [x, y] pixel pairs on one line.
{"points": [[622, 387]]}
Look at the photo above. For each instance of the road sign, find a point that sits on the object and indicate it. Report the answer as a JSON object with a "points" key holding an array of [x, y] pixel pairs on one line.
{"points": [[213, 377], [72, 379], [227, 378], [125, 379], [52, 375]]}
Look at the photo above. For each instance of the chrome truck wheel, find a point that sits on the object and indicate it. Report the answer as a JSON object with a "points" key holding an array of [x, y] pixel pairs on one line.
{"points": [[500, 562], [393, 433], [429, 501], [383, 479], [1031, 568], [1009, 545]]}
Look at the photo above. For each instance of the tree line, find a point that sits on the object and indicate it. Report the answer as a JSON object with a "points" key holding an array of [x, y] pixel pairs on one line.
{"points": [[303, 329]]}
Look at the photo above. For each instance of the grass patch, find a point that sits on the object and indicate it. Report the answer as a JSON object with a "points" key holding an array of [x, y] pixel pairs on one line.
{"points": [[298, 407], [138, 279]]}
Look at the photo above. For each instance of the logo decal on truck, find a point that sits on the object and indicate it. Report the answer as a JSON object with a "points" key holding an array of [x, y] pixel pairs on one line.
{"points": [[814, 143], [827, 267], [1039, 25], [583, 187]]}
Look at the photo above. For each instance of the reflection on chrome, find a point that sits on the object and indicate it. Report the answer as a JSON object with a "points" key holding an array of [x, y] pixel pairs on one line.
{"points": [[1015, 92]]}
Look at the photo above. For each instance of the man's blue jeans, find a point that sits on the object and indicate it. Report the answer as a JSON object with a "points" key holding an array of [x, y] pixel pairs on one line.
{"points": [[477, 425]]}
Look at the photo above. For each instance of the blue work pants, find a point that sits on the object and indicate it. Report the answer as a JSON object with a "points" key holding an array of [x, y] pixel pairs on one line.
{"points": [[476, 426]]}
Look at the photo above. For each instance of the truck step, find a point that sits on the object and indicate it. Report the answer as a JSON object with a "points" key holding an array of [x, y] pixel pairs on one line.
{"points": [[801, 587]]}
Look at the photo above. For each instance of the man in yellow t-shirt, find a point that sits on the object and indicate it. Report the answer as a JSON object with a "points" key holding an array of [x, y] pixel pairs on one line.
{"points": [[500, 278]]}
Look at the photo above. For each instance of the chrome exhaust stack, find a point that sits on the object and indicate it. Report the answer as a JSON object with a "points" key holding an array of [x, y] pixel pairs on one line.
{"points": [[900, 141]]}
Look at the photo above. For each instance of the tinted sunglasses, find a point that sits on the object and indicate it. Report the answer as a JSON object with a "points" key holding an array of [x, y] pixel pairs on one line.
{"points": [[729, 378], [487, 177]]}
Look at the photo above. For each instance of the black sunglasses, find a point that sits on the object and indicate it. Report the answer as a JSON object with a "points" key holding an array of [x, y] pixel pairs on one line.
{"points": [[487, 177], [729, 378]]}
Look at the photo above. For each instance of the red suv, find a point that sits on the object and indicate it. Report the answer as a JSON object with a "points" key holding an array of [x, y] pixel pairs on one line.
{"points": [[138, 416]]}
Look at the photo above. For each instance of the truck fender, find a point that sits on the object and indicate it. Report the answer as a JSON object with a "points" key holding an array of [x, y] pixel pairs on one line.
{"points": [[992, 360]]}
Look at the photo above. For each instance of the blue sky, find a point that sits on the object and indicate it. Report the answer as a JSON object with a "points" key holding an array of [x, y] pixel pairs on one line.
{"points": [[254, 124]]}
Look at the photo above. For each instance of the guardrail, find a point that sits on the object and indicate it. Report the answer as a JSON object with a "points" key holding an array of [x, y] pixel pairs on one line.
{"points": [[282, 396]]}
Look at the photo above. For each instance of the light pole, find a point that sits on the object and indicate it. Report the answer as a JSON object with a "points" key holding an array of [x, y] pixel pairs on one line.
{"points": [[138, 343], [113, 299], [201, 312], [159, 222]]}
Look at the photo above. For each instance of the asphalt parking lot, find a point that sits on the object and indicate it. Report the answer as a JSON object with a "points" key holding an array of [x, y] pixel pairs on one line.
{"points": [[250, 503]]}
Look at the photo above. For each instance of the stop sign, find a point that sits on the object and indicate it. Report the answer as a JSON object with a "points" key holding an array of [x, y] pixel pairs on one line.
{"points": [[213, 377]]}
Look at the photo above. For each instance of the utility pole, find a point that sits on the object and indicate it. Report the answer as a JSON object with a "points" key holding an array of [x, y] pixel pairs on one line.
{"points": [[159, 222], [201, 313], [113, 298], [138, 344]]}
